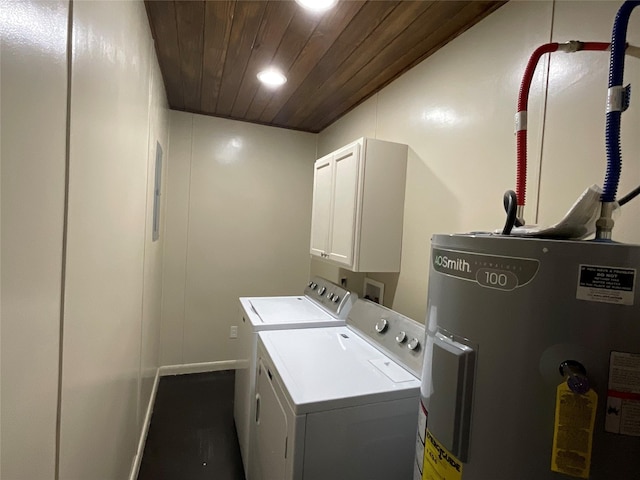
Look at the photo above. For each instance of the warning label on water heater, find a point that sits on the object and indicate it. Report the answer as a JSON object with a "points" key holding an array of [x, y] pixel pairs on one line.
{"points": [[606, 284], [623, 398], [573, 431]]}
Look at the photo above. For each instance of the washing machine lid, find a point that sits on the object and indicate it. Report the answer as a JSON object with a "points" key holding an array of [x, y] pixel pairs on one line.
{"points": [[328, 368], [285, 312]]}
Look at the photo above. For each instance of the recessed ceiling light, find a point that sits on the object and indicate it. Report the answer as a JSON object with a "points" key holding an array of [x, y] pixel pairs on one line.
{"points": [[272, 77], [317, 5]]}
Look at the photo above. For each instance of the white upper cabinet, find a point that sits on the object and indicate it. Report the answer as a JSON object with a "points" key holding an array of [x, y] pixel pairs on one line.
{"points": [[358, 206], [321, 208], [342, 226]]}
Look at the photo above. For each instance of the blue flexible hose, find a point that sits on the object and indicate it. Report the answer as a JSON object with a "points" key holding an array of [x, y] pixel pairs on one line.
{"points": [[616, 74]]}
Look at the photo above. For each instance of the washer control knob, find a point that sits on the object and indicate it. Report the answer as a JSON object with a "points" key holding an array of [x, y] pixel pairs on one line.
{"points": [[414, 344], [322, 290], [401, 337], [313, 285], [309, 284], [382, 325], [336, 299], [330, 296]]}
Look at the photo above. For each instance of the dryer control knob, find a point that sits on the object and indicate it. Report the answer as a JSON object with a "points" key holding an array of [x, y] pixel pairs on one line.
{"points": [[414, 344], [322, 290], [382, 325], [336, 299], [401, 337], [330, 296], [314, 286]]}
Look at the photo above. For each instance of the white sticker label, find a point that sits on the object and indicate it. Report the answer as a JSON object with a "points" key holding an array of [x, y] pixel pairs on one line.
{"points": [[422, 422], [392, 370], [422, 429], [419, 454], [623, 399], [606, 284], [417, 474]]}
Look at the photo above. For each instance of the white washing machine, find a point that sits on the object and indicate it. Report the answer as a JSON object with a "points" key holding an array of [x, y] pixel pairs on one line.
{"points": [[322, 304], [339, 403]]}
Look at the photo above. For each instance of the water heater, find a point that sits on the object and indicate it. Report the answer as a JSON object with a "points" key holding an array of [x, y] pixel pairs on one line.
{"points": [[532, 360]]}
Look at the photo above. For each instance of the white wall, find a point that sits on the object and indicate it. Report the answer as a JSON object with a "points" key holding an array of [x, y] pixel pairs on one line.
{"points": [[574, 148], [113, 268], [152, 282], [112, 282], [238, 224], [33, 78], [455, 110]]}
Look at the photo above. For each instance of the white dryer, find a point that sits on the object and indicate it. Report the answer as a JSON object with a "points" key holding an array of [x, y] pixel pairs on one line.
{"points": [[322, 304], [339, 403]]}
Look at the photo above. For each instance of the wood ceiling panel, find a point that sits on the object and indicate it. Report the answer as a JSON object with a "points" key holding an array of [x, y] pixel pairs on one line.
{"points": [[330, 27], [218, 18], [443, 26], [293, 41], [276, 20], [162, 19], [246, 22], [368, 18], [366, 53], [190, 26], [210, 52], [439, 22]]}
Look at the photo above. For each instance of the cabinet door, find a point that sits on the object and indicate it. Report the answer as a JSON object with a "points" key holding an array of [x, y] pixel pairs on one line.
{"points": [[342, 233], [321, 213]]}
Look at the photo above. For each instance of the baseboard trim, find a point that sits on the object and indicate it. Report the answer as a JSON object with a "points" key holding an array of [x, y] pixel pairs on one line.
{"points": [[135, 468], [198, 367]]}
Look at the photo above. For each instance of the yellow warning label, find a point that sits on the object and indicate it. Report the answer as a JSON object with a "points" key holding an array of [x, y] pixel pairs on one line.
{"points": [[573, 431], [439, 463]]}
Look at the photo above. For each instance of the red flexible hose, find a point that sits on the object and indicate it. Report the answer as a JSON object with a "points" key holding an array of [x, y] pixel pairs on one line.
{"points": [[521, 133], [599, 46], [523, 102]]}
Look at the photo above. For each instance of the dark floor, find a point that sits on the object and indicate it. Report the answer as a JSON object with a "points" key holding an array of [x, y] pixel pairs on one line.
{"points": [[192, 435]]}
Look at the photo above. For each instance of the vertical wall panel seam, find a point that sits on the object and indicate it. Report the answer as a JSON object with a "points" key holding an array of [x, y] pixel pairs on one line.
{"points": [[375, 128], [1, 272], [544, 114], [186, 247], [145, 233], [65, 223], [163, 226]]}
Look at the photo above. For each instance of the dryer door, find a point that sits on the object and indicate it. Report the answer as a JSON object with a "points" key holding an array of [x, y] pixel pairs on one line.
{"points": [[269, 456]]}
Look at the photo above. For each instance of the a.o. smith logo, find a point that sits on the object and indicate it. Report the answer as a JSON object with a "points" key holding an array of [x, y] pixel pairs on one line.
{"points": [[491, 271], [457, 264]]}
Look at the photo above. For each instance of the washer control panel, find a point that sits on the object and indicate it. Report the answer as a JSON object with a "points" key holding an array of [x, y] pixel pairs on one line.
{"points": [[398, 336]]}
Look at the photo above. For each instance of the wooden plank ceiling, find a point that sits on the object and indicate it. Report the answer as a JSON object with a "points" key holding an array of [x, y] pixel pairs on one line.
{"points": [[210, 52]]}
